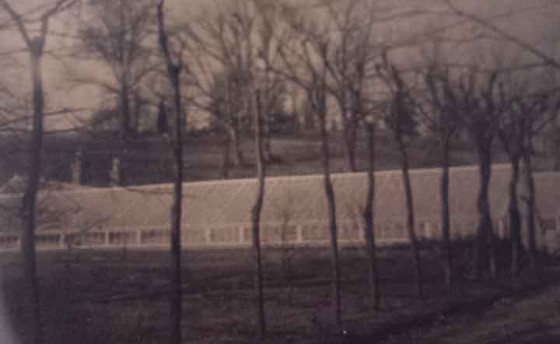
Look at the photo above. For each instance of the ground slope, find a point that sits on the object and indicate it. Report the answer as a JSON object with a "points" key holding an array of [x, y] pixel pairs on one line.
{"points": [[531, 319]]}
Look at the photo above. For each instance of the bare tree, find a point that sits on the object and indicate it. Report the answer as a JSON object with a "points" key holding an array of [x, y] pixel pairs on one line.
{"points": [[365, 109], [441, 118], [350, 63], [351, 46], [273, 87], [224, 45], [256, 216], [35, 47], [317, 94], [400, 118], [225, 107], [118, 35], [226, 104], [482, 106], [174, 68], [288, 250], [528, 111], [300, 63], [354, 59], [547, 59], [512, 132], [369, 216], [222, 42]]}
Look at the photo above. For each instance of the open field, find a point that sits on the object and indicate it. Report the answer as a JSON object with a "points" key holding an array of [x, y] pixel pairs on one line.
{"points": [[121, 296]]}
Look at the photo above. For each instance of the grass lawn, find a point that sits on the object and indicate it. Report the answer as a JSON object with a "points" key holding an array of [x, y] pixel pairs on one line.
{"points": [[122, 297], [149, 161]]}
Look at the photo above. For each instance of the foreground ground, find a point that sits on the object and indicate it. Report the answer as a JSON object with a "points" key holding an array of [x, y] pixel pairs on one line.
{"points": [[122, 297], [531, 319]]}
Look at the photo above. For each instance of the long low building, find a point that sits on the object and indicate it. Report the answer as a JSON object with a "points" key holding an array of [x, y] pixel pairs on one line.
{"points": [[218, 213]]}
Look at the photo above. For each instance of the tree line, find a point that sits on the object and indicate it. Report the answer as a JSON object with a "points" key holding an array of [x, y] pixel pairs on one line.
{"points": [[245, 63]]}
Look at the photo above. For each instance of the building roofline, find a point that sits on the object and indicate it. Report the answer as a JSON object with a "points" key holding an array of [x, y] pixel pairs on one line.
{"points": [[147, 188]]}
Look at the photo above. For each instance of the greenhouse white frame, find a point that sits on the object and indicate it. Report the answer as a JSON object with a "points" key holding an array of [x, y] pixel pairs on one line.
{"points": [[217, 213]]}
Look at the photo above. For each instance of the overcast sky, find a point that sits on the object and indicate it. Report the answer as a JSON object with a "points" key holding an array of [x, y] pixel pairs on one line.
{"points": [[534, 21]]}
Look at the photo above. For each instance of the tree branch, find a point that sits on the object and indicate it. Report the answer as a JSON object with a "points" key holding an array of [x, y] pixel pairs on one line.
{"points": [[511, 38]]}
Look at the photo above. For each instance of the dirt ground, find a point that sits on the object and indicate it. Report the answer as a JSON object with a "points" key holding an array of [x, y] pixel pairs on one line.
{"points": [[122, 297], [533, 319]]}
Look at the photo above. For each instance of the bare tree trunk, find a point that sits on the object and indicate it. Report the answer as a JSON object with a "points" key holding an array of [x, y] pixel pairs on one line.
{"points": [[349, 128], [331, 204], [174, 71], [352, 142], [369, 219], [445, 216], [226, 155], [514, 217], [176, 298], [30, 197], [410, 215], [256, 215], [239, 157], [35, 47], [126, 132], [349, 132], [185, 127], [136, 111], [531, 225], [485, 250], [267, 142]]}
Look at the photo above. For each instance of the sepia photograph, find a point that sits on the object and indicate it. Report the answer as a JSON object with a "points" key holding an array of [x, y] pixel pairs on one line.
{"points": [[279, 171]]}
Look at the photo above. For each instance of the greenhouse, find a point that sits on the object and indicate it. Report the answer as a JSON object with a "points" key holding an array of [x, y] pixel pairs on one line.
{"points": [[217, 214]]}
